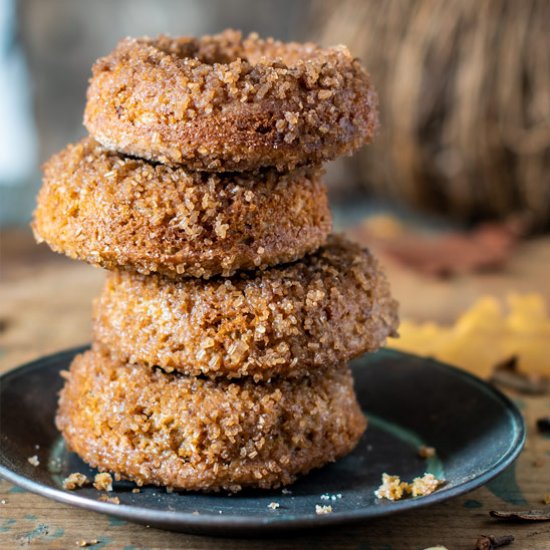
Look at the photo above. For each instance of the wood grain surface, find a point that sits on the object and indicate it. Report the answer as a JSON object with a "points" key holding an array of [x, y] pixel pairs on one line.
{"points": [[45, 306]]}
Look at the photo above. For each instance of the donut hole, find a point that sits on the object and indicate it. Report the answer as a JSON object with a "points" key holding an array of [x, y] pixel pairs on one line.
{"points": [[229, 46], [223, 49]]}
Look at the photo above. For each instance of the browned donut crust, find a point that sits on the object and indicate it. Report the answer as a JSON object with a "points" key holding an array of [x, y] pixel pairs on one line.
{"points": [[221, 102], [287, 320], [126, 213], [193, 433]]}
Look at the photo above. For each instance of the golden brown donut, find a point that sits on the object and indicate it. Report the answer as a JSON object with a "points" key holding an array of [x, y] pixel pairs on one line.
{"points": [[224, 103], [287, 320], [125, 213], [151, 427]]}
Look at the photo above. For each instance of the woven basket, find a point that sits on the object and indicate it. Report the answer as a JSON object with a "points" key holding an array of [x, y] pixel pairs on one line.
{"points": [[464, 89]]}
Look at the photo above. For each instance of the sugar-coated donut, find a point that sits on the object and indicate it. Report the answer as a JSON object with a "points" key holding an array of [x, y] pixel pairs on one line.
{"points": [[288, 320], [126, 213], [151, 427], [224, 103]]}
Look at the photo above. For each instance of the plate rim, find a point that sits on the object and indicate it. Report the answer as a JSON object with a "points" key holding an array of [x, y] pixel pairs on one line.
{"points": [[228, 524]]}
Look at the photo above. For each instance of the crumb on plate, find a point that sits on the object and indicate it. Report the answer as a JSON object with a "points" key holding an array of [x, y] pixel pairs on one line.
{"points": [[75, 480], [103, 482], [323, 509], [326, 496], [110, 500], [33, 460], [425, 485], [393, 488], [426, 452]]}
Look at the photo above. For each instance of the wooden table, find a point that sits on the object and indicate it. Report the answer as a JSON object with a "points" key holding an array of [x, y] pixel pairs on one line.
{"points": [[45, 304]]}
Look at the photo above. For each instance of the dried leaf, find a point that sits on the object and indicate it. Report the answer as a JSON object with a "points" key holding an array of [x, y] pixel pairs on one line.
{"points": [[524, 515], [487, 335], [487, 247], [506, 374], [488, 542]]}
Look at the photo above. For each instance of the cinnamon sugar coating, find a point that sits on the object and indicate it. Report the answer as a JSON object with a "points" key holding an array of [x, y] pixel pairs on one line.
{"points": [[125, 213], [287, 320], [151, 427], [224, 103]]}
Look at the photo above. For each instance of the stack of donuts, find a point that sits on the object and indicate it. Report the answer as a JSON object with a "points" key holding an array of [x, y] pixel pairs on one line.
{"points": [[223, 332]]}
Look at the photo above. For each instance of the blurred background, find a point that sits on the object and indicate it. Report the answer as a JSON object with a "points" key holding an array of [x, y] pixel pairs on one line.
{"points": [[453, 196], [464, 88], [49, 46]]}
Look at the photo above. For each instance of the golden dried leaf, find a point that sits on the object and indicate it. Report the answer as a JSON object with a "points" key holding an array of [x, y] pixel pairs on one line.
{"points": [[486, 336]]}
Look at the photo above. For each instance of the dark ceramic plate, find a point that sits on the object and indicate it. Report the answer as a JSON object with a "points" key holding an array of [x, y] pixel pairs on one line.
{"points": [[410, 401]]}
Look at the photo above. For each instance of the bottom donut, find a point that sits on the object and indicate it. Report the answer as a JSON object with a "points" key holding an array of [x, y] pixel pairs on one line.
{"points": [[151, 427]]}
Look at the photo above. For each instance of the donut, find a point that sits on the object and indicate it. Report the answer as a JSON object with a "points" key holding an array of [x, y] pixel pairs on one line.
{"points": [[287, 320], [190, 433], [119, 212], [224, 103]]}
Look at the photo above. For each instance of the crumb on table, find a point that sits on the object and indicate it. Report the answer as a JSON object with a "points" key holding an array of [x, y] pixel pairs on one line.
{"points": [[103, 482], [75, 480], [82, 543]]}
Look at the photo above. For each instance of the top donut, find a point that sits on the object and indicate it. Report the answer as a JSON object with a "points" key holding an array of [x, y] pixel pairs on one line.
{"points": [[224, 103]]}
